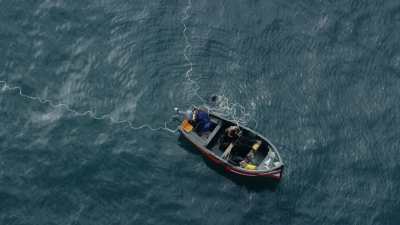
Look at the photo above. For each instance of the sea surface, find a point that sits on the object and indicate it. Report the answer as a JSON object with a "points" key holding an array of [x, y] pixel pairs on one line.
{"points": [[87, 128]]}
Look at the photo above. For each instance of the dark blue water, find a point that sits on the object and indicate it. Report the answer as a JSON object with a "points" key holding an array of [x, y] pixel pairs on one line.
{"points": [[87, 90]]}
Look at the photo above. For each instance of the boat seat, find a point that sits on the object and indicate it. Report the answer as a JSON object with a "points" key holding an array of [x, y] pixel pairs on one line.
{"points": [[213, 133]]}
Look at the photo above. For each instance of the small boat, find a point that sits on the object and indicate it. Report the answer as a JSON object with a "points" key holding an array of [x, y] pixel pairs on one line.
{"points": [[249, 155]]}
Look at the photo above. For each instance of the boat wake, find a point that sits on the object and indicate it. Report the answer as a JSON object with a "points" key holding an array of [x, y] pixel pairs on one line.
{"points": [[193, 86], [221, 104], [233, 111], [90, 113]]}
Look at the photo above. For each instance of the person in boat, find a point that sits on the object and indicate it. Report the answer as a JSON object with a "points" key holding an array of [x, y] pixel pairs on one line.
{"points": [[231, 134], [237, 147], [200, 119]]}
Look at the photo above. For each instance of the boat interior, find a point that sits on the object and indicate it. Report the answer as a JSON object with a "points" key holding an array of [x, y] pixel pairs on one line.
{"points": [[247, 150]]}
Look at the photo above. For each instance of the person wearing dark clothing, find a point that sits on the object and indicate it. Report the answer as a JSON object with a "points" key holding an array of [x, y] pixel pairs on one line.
{"points": [[200, 119], [231, 134], [203, 121]]}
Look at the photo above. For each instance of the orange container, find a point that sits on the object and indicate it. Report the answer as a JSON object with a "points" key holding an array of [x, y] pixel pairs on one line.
{"points": [[186, 126]]}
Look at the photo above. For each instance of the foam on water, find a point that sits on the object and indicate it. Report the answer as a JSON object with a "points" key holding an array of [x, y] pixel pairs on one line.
{"points": [[319, 76], [90, 113], [223, 106]]}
